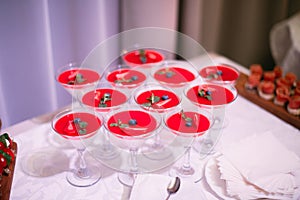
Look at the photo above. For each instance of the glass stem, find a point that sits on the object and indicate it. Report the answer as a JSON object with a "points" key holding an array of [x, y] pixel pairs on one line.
{"points": [[133, 159], [106, 142], [157, 142], [186, 166], [82, 170]]}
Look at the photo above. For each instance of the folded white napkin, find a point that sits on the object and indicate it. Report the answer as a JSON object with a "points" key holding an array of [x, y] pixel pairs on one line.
{"points": [[154, 186], [259, 167]]}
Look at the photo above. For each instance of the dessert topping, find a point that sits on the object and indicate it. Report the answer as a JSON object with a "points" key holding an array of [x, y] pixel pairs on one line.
{"points": [[75, 78], [188, 120], [142, 55], [215, 75], [167, 72], [119, 124], [205, 93], [106, 97]]}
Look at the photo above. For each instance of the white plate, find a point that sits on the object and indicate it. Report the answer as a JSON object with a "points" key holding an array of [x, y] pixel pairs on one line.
{"points": [[212, 176]]}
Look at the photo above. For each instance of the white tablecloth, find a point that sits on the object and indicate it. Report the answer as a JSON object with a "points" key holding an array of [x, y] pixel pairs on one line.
{"points": [[34, 137]]}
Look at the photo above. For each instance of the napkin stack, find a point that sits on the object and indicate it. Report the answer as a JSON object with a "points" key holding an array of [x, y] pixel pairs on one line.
{"points": [[259, 167]]}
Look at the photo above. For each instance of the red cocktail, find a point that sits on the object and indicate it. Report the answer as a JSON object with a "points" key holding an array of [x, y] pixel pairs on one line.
{"points": [[74, 78], [104, 99], [129, 128], [75, 125], [126, 77], [174, 73], [211, 95], [142, 57], [221, 74], [188, 122], [157, 98]]}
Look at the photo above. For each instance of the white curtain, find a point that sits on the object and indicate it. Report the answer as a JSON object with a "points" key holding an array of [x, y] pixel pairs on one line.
{"points": [[37, 37]]}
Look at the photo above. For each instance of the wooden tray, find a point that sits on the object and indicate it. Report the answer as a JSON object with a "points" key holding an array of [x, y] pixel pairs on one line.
{"points": [[6, 181], [252, 96]]}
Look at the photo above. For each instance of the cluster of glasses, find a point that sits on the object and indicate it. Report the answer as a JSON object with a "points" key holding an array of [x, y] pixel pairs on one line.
{"points": [[143, 115]]}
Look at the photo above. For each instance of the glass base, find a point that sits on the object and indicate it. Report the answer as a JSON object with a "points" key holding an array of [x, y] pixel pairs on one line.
{"points": [[220, 123], [156, 152], [126, 179], [204, 147], [106, 152], [186, 173], [84, 178]]}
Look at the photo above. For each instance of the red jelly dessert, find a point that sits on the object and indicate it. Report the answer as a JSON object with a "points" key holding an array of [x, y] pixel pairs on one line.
{"points": [[131, 123], [269, 76], [77, 77], [126, 78], [256, 69], [278, 71], [210, 94], [174, 76], [140, 57], [196, 124], [103, 99], [282, 96], [222, 73], [253, 81], [294, 105], [266, 90], [77, 125], [157, 99]]}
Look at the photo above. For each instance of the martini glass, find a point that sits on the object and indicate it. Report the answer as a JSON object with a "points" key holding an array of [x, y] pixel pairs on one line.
{"points": [[143, 57], [191, 122], [159, 99], [128, 129], [78, 125], [213, 97], [222, 74], [104, 99], [77, 79]]}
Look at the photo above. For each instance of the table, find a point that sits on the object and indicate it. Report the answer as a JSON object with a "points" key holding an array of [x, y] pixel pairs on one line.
{"points": [[33, 136]]}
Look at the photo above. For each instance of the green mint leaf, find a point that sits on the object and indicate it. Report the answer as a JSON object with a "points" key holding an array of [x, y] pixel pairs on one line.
{"points": [[208, 97], [113, 124], [188, 119], [123, 125], [156, 99], [82, 131], [83, 124], [147, 104]]}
